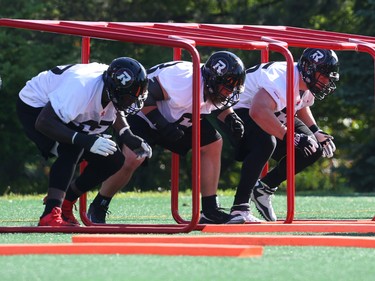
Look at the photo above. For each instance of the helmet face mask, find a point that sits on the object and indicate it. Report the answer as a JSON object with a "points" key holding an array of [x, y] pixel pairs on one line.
{"points": [[126, 83], [224, 77], [320, 70]]}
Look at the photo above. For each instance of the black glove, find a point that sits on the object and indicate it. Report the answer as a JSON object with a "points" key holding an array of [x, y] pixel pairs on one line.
{"points": [[168, 130], [136, 144], [235, 124], [171, 132], [95, 144], [305, 143]]}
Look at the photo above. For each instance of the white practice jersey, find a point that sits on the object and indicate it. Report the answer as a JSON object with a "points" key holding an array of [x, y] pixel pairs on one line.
{"points": [[272, 77], [176, 81], [75, 93]]}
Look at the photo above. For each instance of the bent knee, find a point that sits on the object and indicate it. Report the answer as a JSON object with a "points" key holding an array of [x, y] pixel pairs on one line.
{"points": [[213, 146], [131, 160]]}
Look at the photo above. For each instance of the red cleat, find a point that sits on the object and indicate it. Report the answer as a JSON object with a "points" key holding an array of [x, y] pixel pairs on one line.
{"points": [[53, 219], [67, 212]]}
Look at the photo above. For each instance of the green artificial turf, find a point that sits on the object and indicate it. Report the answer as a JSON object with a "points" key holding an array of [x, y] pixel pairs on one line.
{"points": [[277, 263]]}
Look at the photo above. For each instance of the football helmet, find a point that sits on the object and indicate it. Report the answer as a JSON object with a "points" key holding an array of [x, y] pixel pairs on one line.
{"points": [[224, 73], [314, 63], [126, 82]]}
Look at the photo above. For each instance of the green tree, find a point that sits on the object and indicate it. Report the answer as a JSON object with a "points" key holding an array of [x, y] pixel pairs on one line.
{"points": [[348, 114]]}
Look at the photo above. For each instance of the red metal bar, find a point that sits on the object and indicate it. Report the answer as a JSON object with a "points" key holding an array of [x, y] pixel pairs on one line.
{"points": [[290, 132], [252, 34], [201, 38], [264, 58], [329, 35], [101, 33], [177, 54], [85, 58]]}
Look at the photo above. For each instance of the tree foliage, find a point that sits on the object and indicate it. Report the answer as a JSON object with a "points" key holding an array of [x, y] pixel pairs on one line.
{"points": [[348, 115]]}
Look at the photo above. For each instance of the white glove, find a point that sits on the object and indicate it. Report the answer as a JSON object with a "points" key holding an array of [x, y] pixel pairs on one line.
{"points": [[103, 146], [326, 142], [143, 151]]}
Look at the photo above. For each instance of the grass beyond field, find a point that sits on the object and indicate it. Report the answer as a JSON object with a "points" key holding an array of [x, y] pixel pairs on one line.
{"points": [[277, 263]]}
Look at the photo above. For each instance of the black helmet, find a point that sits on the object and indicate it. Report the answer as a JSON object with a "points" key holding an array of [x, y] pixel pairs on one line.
{"points": [[126, 83], [321, 61], [224, 70]]}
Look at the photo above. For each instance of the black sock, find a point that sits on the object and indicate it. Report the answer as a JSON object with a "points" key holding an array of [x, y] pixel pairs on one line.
{"points": [[209, 203], [101, 200], [50, 204], [73, 193]]}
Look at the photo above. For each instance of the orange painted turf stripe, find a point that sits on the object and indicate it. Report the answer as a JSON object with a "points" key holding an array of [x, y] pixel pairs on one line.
{"points": [[263, 240], [242, 251], [328, 221], [284, 227]]}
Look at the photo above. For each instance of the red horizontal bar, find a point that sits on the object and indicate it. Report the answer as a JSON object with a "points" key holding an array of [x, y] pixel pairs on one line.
{"points": [[263, 240], [132, 249], [291, 227]]}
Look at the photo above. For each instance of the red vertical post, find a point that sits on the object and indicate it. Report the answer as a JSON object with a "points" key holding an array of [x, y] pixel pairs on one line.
{"points": [[264, 56], [177, 53], [85, 58], [290, 176]]}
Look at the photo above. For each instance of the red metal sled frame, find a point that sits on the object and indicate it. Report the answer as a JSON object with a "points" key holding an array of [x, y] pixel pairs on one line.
{"points": [[222, 36]]}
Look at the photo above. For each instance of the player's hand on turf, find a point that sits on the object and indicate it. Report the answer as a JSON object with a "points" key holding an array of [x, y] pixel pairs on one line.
{"points": [[136, 144], [326, 141]]}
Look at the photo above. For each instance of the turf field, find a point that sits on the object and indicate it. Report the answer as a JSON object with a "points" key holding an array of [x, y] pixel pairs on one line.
{"points": [[277, 263]]}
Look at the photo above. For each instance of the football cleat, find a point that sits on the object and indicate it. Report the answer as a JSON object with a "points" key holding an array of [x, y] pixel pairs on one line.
{"points": [[67, 212], [261, 196], [218, 216], [97, 214], [53, 219], [245, 211]]}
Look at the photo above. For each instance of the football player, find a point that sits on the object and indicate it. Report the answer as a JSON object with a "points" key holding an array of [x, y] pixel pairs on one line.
{"points": [[166, 120], [65, 112], [263, 109]]}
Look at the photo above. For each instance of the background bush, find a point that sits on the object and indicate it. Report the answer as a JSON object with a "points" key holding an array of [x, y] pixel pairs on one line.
{"points": [[348, 115]]}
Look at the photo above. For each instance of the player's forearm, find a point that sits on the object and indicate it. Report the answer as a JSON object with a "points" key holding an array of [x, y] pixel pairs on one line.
{"points": [[120, 122], [223, 114], [306, 116], [266, 119], [49, 124]]}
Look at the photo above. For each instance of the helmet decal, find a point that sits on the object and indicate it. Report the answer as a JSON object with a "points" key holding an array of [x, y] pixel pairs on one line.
{"points": [[124, 76], [317, 56], [220, 66]]}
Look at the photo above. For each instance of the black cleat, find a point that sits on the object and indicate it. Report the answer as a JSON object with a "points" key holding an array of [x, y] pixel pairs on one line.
{"points": [[218, 216], [97, 214]]}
